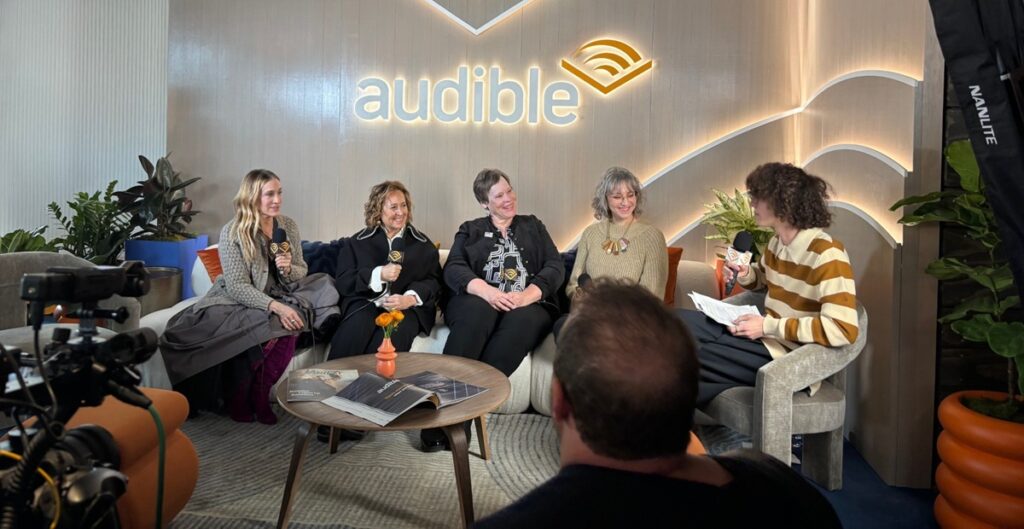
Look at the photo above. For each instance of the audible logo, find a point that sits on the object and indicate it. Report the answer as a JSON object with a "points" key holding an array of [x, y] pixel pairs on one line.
{"points": [[449, 100], [488, 97], [614, 61]]}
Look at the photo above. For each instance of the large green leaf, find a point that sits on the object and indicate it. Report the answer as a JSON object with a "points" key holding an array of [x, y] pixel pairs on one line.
{"points": [[922, 199], [1007, 339], [960, 157], [975, 329], [947, 268], [981, 302], [1020, 372]]}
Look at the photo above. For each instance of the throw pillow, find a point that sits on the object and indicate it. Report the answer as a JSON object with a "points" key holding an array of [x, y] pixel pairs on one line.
{"points": [[211, 261], [674, 255]]}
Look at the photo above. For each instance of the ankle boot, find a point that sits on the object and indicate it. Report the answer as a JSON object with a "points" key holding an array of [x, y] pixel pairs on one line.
{"points": [[240, 403], [260, 397]]}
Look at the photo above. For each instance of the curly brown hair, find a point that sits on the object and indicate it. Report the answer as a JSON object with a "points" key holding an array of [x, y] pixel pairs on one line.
{"points": [[375, 204], [794, 196]]}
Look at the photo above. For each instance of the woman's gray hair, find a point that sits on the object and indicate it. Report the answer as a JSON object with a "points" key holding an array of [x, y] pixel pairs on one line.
{"points": [[612, 178]]}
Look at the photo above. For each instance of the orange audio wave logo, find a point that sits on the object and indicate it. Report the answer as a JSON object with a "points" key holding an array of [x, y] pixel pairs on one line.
{"points": [[606, 64]]}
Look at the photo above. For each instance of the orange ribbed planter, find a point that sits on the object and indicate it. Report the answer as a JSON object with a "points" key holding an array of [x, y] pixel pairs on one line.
{"points": [[981, 477]]}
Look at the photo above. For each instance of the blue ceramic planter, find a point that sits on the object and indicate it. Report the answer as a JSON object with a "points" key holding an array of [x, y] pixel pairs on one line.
{"points": [[176, 254]]}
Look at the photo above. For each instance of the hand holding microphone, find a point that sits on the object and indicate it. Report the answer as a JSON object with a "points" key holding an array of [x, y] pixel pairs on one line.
{"points": [[396, 256], [737, 259]]}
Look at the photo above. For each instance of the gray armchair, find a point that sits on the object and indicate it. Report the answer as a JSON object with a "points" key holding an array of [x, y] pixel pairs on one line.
{"points": [[14, 311], [776, 408]]}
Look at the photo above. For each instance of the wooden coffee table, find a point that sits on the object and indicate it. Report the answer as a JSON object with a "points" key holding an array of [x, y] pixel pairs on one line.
{"points": [[449, 419]]}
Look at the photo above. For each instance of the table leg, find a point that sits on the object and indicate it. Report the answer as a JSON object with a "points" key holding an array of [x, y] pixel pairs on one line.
{"points": [[481, 435], [291, 486], [335, 438], [460, 454]]}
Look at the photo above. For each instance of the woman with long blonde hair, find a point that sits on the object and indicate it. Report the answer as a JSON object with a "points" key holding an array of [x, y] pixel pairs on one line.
{"points": [[232, 345]]}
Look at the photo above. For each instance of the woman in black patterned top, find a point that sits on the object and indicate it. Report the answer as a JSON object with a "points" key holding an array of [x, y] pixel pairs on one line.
{"points": [[502, 274], [235, 342]]}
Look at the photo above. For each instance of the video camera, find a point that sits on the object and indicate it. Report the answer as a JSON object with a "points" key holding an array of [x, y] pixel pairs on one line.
{"points": [[49, 476]]}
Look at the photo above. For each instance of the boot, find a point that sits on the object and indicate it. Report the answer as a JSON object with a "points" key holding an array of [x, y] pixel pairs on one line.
{"points": [[240, 404], [276, 356]]}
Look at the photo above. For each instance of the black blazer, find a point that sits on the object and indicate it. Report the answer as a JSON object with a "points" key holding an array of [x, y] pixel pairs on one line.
{"points": [[368, 249], [544, 266]]}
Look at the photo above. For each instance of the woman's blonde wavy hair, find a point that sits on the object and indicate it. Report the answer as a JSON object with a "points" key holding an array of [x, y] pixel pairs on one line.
{"points": [[375, 204], [247, 210]]}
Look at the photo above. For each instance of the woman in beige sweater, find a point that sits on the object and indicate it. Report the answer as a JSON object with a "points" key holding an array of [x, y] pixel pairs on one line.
{"points": [[620, 246]]}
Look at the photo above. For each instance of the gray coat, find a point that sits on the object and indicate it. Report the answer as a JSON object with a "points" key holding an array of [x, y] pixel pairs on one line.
{"points": [[244, 284]]}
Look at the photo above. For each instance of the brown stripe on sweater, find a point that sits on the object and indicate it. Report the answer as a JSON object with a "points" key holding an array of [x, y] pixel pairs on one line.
{"points": [[820, 245], [843, 299], [792, 329], [771, 313], [795, 301], [811, 276]]}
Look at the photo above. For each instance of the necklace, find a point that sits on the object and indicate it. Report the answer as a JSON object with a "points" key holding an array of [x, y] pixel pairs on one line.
{"points": [[619, 246]]}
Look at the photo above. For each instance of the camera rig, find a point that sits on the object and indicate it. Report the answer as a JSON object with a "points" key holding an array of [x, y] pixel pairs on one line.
{"points": [[69, 478]]}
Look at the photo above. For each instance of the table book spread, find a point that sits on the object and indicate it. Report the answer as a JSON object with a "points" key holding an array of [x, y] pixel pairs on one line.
{"points": [[308, 385], [381, 400]]}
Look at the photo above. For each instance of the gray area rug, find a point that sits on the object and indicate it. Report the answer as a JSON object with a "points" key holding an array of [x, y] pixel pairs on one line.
{"points": [[381, 481]]}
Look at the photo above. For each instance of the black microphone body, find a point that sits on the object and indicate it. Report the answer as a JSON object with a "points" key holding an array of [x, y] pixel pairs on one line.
{"points": [[740, 245], [279, 244], [584, 281]]}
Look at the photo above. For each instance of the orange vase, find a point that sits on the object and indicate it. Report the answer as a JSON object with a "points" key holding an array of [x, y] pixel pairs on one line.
{"points": [[386, 356], [981, 478]]}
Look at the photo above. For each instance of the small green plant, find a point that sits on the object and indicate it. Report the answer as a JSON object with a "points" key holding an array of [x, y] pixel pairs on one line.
{"points": [[97, 228], [158, 206], [981, 316], [731, 215], [26, 241]]}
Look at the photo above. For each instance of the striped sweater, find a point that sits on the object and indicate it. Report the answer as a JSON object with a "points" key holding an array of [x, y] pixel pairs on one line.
{"points": [[811, 296]]}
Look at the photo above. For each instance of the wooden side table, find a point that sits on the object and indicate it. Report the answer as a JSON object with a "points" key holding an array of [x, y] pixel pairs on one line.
{"points": [[449, 419]]}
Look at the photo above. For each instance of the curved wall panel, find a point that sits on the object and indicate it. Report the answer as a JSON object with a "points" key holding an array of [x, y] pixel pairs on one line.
{"points": [[874, 112], [860, 177], [844, 36]]}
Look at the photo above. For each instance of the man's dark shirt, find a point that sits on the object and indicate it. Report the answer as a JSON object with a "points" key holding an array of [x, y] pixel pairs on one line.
{"points": [[762, 493]]}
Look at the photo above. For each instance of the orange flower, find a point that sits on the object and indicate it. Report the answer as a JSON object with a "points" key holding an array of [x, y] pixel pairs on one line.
{"points": [[384, 319], [397, 315]]}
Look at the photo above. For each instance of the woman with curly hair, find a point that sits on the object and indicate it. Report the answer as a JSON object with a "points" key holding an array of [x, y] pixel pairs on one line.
{"points": [[388, 265], [811, 297]]}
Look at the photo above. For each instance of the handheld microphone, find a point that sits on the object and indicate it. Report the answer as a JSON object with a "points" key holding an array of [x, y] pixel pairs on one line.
{"points": [[738, 254], [584, 281], [279, 244], [397, 253]]}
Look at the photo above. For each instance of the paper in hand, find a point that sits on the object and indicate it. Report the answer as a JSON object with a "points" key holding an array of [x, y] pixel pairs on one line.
{"points": [[721, 311]]}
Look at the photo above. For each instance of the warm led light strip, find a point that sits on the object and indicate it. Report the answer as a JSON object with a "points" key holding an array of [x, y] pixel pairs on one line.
{"points": [[477, 31], [874, 153], [907, 80]]}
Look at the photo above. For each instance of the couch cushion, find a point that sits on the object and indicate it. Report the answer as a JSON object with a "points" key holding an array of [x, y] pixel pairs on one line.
{"points": [[210, 258]]}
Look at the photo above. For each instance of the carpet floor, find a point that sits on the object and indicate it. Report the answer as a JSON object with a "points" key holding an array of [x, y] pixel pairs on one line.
{"points": [[381, 481]]}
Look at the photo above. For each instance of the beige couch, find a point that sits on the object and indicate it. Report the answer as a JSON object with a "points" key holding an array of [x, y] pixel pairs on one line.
{"points": [[531, 382]]}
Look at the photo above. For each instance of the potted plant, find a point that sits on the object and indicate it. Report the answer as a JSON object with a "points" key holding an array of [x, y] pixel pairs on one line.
{"points": [[729, 216], [26, 241], [97, 229], [159, 213], [981, 478]]}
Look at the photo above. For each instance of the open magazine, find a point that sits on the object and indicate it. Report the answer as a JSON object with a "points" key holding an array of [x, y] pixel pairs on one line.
{"points": [[305, 385], [381, 400]]}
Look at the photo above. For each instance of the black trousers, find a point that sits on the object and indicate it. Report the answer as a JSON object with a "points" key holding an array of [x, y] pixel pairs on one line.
{"points": [[499, 339], [726, 361], [359, 335]]}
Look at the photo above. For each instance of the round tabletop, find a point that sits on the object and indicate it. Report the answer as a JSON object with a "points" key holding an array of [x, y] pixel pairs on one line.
{"points": [[418, 418]]}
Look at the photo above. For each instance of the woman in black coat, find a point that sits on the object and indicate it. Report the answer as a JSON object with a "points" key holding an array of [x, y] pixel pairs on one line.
{"points": [[503, 274], [388, 265]]}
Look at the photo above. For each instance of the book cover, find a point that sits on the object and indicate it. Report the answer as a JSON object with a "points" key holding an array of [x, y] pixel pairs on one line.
{"points": [[305, 385], [381, 400]]}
